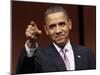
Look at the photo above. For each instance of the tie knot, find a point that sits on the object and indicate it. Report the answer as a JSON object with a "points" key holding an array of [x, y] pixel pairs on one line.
{"points": [[64, 50]]}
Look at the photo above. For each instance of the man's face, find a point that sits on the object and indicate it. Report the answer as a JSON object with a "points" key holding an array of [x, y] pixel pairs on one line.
{"points": [[57, 28]]}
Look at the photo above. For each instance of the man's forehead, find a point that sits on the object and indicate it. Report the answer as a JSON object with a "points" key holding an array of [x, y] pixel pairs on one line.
{"points": [[56, 17], [56, 14], [56, 21]]}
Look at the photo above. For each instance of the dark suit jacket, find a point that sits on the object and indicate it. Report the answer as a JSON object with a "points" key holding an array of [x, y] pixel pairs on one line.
{"points": [[49, 60]]}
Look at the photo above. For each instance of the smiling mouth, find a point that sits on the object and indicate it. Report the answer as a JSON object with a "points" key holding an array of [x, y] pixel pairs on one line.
{"points": [[60, 37]]}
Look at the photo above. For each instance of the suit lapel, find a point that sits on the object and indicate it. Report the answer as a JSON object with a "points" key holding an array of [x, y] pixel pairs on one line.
{"points": [[77, 57], [56, 58]]}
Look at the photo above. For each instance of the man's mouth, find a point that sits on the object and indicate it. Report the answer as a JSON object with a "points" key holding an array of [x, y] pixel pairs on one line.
{"points": [[59, 37]]}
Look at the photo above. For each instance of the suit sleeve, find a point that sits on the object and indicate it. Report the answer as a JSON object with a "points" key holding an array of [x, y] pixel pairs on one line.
{"points": [[92, 63], [27, 64]]}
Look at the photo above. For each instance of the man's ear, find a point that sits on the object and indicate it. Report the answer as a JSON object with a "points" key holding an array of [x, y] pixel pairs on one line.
{"points": [[45, 29], [70, 24]]}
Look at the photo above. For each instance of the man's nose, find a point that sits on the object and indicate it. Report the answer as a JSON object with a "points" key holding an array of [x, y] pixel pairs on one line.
{"points": [[58, 29]]}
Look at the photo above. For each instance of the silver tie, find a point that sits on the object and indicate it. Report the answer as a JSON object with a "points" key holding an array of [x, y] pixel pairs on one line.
{"points": [[65, 59]]}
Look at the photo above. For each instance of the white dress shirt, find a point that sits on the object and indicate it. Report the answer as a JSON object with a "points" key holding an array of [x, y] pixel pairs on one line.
{"points": [[69, 54], [30, 51]]}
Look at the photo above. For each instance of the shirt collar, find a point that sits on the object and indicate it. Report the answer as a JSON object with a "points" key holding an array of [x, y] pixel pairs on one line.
{"points": [[67, 46]]}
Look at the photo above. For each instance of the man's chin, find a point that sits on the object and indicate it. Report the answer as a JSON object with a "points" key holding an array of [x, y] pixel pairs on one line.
{"points": [[60, 43]]}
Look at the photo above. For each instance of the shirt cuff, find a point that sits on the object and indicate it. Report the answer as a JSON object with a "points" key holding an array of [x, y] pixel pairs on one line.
{"points": [[30, 51]]}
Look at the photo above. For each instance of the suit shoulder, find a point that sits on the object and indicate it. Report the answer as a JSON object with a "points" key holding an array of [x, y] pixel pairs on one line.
{"points": [[82, 48]]}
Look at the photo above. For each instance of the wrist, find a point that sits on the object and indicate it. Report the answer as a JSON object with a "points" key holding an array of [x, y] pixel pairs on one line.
{"points": [[31, 44]]}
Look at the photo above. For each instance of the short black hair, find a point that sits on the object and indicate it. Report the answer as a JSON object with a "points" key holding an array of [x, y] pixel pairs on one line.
{"points": [[54, 9]]}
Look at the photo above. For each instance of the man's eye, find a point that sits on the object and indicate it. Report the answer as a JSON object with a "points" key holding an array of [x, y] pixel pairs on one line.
{"points": [[62, 23], [52, 26]]}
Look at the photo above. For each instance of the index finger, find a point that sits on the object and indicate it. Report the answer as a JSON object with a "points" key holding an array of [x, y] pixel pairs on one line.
{"points": [[33, 23]]}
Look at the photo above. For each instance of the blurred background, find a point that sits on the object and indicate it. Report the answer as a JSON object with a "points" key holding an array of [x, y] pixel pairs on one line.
{"points": [[83, 25]]}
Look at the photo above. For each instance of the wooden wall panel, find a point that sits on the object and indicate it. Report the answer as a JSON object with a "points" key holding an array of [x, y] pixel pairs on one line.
{"points": [[90, 27]]}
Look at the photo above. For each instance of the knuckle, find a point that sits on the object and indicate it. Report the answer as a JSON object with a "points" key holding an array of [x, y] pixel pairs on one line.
{"points": [[29, 26], [27, 34], [31, 31]]}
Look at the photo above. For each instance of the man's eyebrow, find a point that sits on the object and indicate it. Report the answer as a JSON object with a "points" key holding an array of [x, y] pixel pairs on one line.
{"points": [[51, 25], [61, 22]]}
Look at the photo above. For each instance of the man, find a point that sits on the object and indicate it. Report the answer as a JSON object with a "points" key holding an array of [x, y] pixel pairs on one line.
{"points": [[61, 54]]}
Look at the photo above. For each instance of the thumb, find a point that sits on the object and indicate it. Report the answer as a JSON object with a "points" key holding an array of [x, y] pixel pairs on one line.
{"points": [[39, 32]]}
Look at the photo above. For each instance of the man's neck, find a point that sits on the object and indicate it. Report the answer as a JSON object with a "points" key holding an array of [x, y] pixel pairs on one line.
{"points": [[62, 45]]}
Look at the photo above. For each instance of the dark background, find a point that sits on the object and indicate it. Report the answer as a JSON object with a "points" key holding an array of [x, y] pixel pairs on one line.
{"points": [[83, 25]]}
